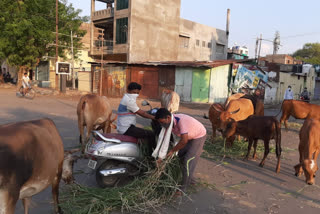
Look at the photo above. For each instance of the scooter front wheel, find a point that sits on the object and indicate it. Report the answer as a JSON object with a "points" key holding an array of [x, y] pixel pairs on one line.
{"points": [[112, 180]]}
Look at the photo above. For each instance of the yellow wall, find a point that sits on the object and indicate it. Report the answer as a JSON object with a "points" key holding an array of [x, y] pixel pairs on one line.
{"points": [[296, 84]]}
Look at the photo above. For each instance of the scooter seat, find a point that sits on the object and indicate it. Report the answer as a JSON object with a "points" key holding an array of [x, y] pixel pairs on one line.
{"points": [[121, 137]]}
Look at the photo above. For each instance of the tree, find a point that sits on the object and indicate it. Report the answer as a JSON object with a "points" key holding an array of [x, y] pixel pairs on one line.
{"points": [[310, 53], [28, 26]]}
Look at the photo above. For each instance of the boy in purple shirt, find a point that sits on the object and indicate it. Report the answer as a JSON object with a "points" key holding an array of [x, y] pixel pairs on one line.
{"points": [[192, 137]]}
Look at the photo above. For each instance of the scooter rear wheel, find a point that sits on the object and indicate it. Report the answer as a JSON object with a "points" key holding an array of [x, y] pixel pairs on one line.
{"points": [[112, 180]]}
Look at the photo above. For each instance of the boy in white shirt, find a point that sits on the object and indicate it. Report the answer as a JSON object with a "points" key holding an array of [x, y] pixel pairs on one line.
{"points": [[25, 82]]}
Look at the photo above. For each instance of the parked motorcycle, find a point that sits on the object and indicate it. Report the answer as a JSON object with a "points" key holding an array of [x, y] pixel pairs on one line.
{"points": [[118, 157], [305, 99]]}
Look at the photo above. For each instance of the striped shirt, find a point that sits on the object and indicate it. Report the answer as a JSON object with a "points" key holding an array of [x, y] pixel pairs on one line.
{"points": [[126, 113]]}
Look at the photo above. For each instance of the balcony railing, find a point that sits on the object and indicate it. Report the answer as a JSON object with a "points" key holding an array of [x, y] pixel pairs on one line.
{"points": [[103, 14], [106, 48]]}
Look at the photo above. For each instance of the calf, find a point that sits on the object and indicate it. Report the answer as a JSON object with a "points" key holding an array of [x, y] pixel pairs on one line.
{"points": [[254, 128], [31, 159], [309, 148]]}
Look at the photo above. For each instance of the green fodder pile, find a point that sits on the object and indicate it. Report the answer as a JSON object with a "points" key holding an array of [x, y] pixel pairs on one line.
{"points": [[145, 194], [217, 149]]}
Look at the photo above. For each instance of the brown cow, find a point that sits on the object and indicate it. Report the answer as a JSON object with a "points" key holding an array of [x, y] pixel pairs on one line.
{"points": [[94, 112], [239, 109], [257, 103], [214, 117], [254, 128], [31, 159], [309, 148], [299, 110], [233, 97], [216, 109]]}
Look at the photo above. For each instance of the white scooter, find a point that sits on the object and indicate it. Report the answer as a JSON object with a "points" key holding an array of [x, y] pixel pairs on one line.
{"points": [[116, 157]]}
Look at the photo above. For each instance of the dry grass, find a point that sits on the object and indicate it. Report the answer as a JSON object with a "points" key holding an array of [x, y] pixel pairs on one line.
{"points": [[145, 194], [216, 150]]}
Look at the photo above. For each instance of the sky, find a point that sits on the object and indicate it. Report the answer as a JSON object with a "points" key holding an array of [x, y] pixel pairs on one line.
{"points": [[297, 21]]}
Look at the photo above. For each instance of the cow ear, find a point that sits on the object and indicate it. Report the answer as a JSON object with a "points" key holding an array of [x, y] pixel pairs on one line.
{"points": [[112, 120], [217, 108], [236, 111]]}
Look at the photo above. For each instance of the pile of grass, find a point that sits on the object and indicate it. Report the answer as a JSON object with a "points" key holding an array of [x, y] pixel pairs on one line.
{"points": [[145, 194], [294, 125], [217, 149]]}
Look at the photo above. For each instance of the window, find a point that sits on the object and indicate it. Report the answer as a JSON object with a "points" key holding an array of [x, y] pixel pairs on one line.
{"points": [[184, 41], [220, 49], [198, 42], [209, 45], [203, 43], [121, 30], [122, 4]]}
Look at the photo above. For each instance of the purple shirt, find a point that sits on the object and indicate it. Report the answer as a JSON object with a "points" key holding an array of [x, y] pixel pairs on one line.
{"points": [[184, 124]]}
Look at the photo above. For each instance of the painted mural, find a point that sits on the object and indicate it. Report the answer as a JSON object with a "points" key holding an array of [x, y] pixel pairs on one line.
{"points": [[247, 78]]}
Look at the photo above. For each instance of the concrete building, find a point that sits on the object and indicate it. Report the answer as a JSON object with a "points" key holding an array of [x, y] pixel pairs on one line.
{"points": [[279, 58], [147, 30]]}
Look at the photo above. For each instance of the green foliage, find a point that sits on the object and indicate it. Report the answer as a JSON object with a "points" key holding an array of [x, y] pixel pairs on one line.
{"points": [[27, 29], [310, 53]]}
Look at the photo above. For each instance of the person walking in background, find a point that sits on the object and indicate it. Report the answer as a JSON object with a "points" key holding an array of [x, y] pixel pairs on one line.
{"points": [[288, 95]]}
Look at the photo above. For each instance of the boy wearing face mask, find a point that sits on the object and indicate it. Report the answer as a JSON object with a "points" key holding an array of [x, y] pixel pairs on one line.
{"points": [[192, 137], [127, 111], [288, 95]]}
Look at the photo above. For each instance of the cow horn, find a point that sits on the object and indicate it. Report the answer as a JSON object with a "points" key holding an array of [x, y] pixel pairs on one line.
{"points": [[236, 111]]}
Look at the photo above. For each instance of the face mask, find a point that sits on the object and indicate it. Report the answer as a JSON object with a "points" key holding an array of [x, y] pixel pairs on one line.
{"points": [[133, 96], [289, 89], [165, 125]]}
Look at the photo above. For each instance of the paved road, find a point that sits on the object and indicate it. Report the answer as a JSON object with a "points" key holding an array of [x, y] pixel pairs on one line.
{"points": [[242, 187]]}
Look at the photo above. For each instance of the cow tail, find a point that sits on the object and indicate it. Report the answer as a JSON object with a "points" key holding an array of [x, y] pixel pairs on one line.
{"points": [[278, 138], [280, 109]]}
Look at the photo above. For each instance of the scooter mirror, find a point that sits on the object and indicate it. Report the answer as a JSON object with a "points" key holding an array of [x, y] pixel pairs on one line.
{"points": [[145, 103]]}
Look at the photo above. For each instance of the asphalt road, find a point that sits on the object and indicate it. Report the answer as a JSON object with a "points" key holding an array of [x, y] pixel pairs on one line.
{"points": [[241, 186]]}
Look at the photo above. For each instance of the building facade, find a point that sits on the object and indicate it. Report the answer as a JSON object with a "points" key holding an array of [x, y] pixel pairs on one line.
{"points": [[280, 59], [147, 30]]}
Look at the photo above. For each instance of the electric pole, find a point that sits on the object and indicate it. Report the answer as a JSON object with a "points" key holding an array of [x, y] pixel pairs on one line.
{"points": [[276, 43], [72, 57], [57, 46], [101, 66], [259, 48]]}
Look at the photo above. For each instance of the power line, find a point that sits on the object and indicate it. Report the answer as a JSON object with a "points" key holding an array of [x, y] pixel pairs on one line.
{"points": [[299, 35]]}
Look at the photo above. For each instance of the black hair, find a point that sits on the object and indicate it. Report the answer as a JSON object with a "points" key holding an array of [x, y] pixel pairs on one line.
{"points": [[133, 86], [25, 73], [162, 113]]}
